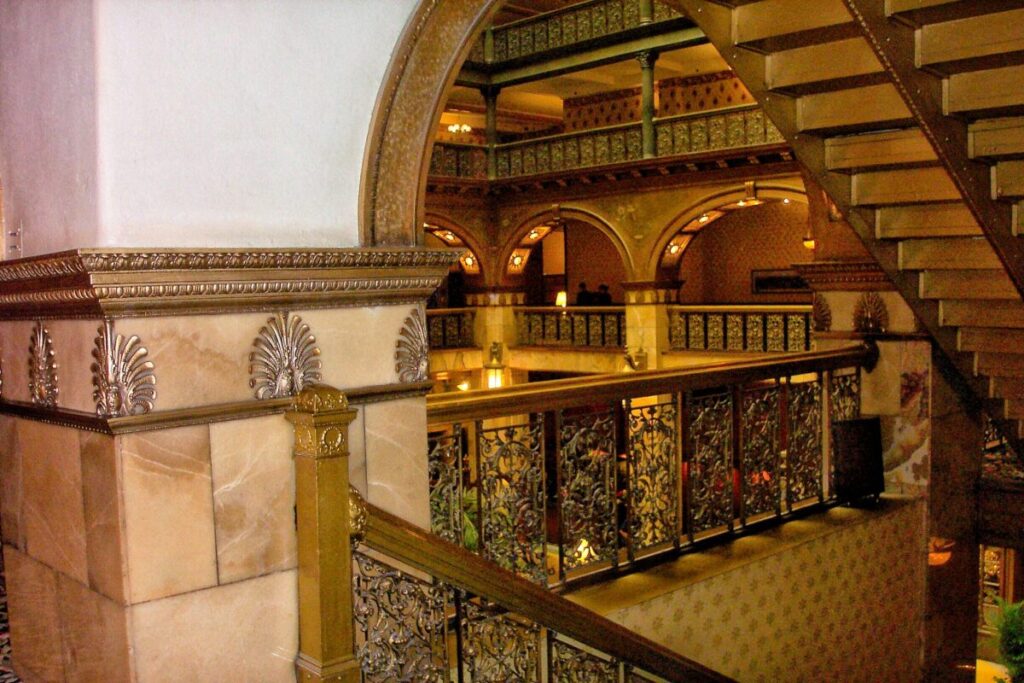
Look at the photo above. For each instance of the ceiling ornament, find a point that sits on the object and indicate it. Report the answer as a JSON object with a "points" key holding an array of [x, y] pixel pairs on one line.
{"points": [[285, 358], [123, 378], [411, 352], [42, 368], [870, 315], [821, 314]]}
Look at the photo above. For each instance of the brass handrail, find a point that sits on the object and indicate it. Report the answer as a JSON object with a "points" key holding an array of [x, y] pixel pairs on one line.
{"points": [[566, 393], [741, 308], [570, 309], [451, 564]]}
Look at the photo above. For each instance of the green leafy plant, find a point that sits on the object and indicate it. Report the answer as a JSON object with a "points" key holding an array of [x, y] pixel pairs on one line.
{"points": [[1010, 631]]}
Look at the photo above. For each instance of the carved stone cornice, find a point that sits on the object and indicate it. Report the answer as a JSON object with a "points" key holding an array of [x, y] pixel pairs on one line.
{"points": [[844, 276], [144, 282]]}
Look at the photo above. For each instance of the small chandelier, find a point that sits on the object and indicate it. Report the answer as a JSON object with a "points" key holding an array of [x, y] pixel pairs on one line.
{"points": [[460, 128]]}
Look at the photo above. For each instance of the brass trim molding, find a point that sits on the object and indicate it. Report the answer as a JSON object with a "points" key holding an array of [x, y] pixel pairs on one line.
{"points": [[185, 417], [145, 282], [849, 276]]}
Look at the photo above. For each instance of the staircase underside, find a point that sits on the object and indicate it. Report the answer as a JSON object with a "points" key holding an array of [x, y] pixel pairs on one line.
{"points": [[910, 113]]}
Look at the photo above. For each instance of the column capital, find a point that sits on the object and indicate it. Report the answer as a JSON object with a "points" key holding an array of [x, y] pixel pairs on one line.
{"points": [[647, 59]]}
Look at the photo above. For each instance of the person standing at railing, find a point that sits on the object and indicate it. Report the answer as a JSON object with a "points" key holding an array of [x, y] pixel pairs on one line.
{"points": [[584, 297], [603, 297]]}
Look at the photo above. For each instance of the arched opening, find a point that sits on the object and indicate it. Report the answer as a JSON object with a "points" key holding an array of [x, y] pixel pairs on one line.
{"points": [[463, 277]]}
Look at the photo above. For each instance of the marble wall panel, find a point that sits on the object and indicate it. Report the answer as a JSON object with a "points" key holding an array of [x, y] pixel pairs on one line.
{"points": [[11, 525], [357, 450], [396, 462], [358, 344], [200, 360], [104, 516], [253, 496], [906, 436], [35, 618], [53, 512], [244, 631], [15, 336], [168, 508], [73, 342], [94, 633]]}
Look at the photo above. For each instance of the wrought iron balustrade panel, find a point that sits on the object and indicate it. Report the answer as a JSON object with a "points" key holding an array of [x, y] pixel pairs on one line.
{"points": [[444, 471], [804, 447], [550, 328], [709, 462], [498, 647], [844, 396], [755, 332], [796, 332], [653, 475], [760, 422], [587, 488], [734, 332], [511, 481], [468, 323], [400, 624], [435, 331], [695, 332], [570, 664], [716, 332], [776, 332]]}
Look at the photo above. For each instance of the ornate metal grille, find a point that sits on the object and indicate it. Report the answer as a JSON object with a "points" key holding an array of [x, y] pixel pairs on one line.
{"points": [[511, 475], [575, 665], [759, 461], [803, 449], [444, 463], [653, 475], [710, 463], [587, 487], [498, 647]]}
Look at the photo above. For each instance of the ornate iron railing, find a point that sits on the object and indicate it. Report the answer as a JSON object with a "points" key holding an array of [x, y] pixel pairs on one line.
{"points": [[566, 479], [740, 328], [698, 133], [580, 326], [470, 620], [451, 328], [566, 27]]}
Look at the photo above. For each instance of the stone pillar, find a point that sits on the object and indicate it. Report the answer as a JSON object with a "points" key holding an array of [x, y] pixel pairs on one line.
{"points": [[647, 320], [496, 322], [146, 468], [491, 129], [647, 112]]}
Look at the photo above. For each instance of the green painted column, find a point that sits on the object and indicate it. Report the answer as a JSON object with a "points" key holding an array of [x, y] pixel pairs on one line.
{"points": [[646, 11], [491, 129], [647, 60]]}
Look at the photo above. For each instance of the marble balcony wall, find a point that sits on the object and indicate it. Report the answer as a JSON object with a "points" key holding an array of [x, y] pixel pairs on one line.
{"points": [[163, 529]]}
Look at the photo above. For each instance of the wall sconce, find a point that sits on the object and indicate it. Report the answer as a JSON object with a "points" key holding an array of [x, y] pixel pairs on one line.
{"points": [[940, 550], [494, 368], [562, 299], [809, 242]]}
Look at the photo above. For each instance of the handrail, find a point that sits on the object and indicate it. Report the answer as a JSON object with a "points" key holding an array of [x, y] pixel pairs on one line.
{"points": [[734, 109], [570, 309], [741, 308], [567, 393], [451, 564], [571, 134]]}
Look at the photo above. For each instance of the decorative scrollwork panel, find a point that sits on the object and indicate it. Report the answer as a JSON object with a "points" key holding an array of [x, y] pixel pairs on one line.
{"points": [[570, 664], [803, 450], [759, 457], [710, 462], [844, 396], [586, 488], [653, 475], [511, 476], [498, 647], [444, 468], [400, 624]]}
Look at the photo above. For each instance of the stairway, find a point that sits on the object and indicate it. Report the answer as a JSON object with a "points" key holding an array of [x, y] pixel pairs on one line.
{"points": [[910, 113]]}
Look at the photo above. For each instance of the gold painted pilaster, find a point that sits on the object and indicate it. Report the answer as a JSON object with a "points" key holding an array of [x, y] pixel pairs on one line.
{"points": [[321, 419]]}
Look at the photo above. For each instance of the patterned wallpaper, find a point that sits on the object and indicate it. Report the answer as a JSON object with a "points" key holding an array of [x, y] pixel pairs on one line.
{"points": [[605, 109], [844, 607], [701, 93]]}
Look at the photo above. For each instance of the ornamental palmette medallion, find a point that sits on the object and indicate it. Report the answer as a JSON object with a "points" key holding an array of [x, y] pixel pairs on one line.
{"points": [[284, 359], [123, 378], [870, 315], [411, 355], [821, 314], [42, 368]]}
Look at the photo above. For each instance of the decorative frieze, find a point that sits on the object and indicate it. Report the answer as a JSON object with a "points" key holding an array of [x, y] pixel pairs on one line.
{"points": [[859, 276], [42, 368], [285, 358], [123, 377]]}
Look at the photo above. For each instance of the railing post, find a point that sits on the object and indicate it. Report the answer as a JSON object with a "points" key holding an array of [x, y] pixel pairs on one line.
{"points": [[646, 12], [321, 418]]}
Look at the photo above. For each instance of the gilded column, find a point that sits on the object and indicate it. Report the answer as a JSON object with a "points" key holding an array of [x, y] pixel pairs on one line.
{"points": [[647, 60], [321, 418]]}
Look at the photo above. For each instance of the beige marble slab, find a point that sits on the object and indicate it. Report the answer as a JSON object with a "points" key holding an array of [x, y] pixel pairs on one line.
{"points": [[199, 360], [53, 512], [168, 508], [396, 458], [357, 345], [880, 388], [73, 342], [253, 496], [35, 619], [95, 635], [244, 631], [15, 337], [104, 516], [357, 450], [10, 483]]}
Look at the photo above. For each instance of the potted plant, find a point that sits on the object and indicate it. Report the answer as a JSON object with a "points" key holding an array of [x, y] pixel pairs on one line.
{"points": [[1010, 632]]}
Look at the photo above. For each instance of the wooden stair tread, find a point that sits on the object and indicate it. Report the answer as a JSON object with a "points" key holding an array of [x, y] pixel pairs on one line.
{"points": [[871, 107], [966, 313], [972, 43], [998, 90], [817, 68], [925, 220], [992, 284], [884, 149], [776, 25], [990, 340], [948, 253], [903, 186], [1008, 179], [995, 138]]}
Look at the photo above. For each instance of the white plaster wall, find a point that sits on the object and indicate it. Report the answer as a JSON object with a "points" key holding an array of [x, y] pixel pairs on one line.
{"points": [[237, 122], [48, 122], [189, 122]]}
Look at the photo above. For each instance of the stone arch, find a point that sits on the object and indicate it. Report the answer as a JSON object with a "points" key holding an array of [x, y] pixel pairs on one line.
{"points": [[480, 252], [710, 202], [563, 212]]}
